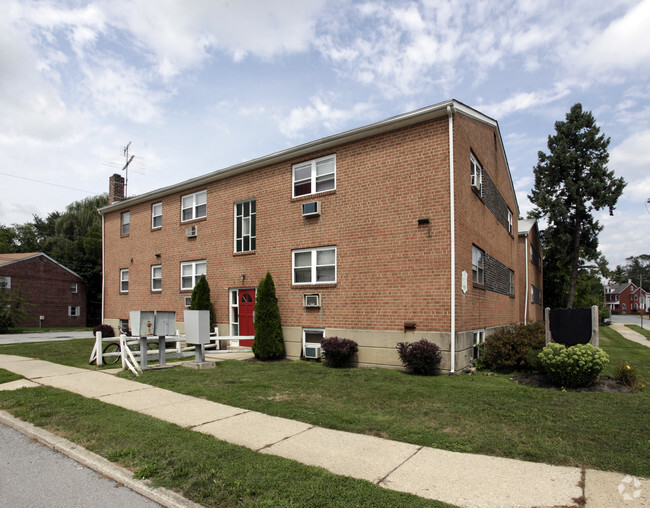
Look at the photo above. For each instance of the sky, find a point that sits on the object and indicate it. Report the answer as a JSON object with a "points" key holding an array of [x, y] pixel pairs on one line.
{"points": [[198, 85]]}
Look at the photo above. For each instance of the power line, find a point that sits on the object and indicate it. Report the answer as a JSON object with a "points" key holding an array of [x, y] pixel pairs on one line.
{"points": [[49, 183]]}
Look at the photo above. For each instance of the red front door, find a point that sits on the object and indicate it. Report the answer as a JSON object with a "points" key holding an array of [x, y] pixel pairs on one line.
{"points": [[246, 299]]}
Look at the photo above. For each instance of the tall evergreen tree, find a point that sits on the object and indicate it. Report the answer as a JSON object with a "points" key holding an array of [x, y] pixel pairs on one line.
{"points": [[201, 299], [269, 341], [571, 182]]}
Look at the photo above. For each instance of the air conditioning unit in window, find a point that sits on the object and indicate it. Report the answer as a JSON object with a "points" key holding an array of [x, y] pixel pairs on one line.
{"points": [[311, 300], [190, 231], [312, 351], [310, 209], [476, 181]]}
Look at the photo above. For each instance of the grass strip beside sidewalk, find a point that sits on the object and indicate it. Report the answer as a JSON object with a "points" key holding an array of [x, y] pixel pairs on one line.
{"points": [[200, 467], [638, 329]]}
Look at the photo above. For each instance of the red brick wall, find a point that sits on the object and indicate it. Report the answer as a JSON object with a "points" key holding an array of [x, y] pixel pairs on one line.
{"points": [[46, 287], [477, 225], [535, 277], [390, 269]]}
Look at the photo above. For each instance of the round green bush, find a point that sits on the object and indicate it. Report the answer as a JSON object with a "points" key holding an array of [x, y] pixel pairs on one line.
{"points": [[512, 348], [573, 367]]}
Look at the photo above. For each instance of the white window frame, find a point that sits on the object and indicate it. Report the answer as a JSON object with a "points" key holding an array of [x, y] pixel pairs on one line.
{"points": [[5, 282], [511, 283], [476, 173], [478, 339], [74, 311], [156, 213], [74, 287], [314, 266], [314, 178], [305, 331], [123, 279], [510, 221], [196, 274], [125, 225], [198, 199], [478, 272], [248, 226], [234, 312], [154, 269]]}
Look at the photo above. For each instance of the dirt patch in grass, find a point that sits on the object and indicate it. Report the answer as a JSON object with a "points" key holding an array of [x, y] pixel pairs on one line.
{"points": [[605, 384]]}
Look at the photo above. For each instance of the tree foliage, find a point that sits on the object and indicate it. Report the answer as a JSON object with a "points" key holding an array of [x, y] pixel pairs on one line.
{"points": [[13, 307], [269, 341], [637, 270], [73, 238], [573, 181], [201, 299]]}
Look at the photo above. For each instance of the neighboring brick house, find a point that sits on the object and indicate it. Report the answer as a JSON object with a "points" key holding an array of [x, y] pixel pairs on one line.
{"points": [[625, 298], [53, 292], [531, 280], [374, 234]]}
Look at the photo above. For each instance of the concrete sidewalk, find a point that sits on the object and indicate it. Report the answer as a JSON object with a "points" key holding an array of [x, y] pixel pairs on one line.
{"points": [[456, 478], [630, 334]]}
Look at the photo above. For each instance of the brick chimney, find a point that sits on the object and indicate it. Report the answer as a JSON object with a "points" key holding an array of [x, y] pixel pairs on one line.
{"points": [[115, 188]]}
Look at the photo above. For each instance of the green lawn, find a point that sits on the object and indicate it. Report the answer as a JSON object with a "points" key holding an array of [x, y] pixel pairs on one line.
{"points": [[477, 414]]}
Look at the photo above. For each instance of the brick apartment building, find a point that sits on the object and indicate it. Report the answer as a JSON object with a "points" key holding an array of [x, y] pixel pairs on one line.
{"points": [[625, 298], [531, 278], [56, 296], [376, 234]]}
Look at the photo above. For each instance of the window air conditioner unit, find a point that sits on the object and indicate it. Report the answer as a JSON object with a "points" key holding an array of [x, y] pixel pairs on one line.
{"points": [[312, 351], [190, 231], [476, 181], [312, 300], [310, 209]]}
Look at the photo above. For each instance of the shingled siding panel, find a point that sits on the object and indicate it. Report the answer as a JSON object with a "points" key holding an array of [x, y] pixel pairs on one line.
{"points": [[494, 201], [497, 277]]}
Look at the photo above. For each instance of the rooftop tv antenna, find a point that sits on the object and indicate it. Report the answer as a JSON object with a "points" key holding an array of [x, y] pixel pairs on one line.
{"points": [[126, 167]]}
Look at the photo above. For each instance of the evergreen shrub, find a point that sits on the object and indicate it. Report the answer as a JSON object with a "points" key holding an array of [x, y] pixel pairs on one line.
{"points": [[512, 348], [107, 330], [421, 357], [201, 299], [338, 352], [269, 341], [573, 367]]}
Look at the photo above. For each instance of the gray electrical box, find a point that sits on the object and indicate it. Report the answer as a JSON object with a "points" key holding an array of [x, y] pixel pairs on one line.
{"points": [[197, 326], [143, 323], [165, 323]]}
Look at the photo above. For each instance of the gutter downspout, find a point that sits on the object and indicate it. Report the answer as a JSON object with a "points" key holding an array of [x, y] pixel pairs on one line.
{"points": [[450, 114], [527, 290], [103, 266]]}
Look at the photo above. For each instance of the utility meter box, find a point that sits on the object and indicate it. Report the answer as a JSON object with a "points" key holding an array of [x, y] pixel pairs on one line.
{"points": [[143, 323], [165, 323], [197, 326]]}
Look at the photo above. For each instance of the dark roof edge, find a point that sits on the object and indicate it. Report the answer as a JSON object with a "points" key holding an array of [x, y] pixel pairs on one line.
{"points": [[37, 254], [389, 124]]}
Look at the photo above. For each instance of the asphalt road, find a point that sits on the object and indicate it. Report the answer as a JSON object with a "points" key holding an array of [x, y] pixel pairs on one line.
{"points": [[631, 320], [33, 475], [44, 336]]}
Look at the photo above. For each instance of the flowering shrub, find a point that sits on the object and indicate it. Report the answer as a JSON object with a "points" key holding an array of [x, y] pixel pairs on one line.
{"points": [[421, 357], [574, 366], [512, 348], [630, 376], [338, 352]]}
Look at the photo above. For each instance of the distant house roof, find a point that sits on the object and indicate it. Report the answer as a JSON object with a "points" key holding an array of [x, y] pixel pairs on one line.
{"points": [[17, 257]]}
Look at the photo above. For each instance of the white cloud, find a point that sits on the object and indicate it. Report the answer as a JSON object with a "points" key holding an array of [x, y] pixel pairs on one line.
{"points": [[320, 114], [524, 100]]}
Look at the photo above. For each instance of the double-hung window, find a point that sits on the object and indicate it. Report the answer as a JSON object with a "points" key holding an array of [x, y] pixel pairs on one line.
{"points": [[510, 221], [74, 288], [314, 266], [311, 177], [191, 272], [156, 215], [245, 226], [478, 265], [511, 282], [156, 278], [194, 206], [476, 173], [74, 311], [126, 223], [124, 280]]}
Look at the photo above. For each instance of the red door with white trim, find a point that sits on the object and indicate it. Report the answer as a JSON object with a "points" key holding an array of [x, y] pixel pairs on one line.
{"points": [[246, 299]]}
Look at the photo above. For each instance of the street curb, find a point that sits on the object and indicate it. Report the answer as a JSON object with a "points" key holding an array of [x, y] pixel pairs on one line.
{"points": [[99, 464]]}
